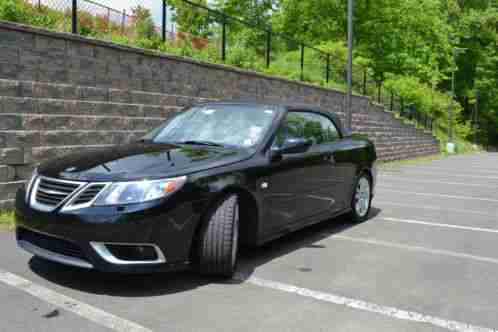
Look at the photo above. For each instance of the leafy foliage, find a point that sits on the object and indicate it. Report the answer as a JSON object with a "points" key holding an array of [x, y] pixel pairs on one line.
{"points": [[144, 25], [191, 20], [6, 220]]}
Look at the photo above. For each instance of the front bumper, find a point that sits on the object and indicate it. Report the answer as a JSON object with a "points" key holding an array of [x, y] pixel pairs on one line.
{"points": [[77, 237]]}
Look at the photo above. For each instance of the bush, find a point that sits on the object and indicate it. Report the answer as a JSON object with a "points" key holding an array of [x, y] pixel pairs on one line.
{"points": [[243, 57], [13, 10]]}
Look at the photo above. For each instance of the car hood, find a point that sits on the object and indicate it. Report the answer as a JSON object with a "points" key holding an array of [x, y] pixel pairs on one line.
{"points": [[140, 161]]}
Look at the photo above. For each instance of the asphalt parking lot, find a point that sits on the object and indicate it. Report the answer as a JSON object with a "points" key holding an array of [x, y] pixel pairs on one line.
{"points": [[426, 260]]}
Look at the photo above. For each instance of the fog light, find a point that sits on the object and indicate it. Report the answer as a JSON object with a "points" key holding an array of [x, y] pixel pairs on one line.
{"points": [[133, 252], [129, 253]]}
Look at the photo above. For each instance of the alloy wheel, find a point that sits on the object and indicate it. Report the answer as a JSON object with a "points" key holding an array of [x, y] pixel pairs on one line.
{"points": [[362, 197]]}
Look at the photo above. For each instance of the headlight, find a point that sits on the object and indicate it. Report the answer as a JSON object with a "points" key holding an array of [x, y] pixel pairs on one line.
{"points": [[139, 191], [29, 183]]}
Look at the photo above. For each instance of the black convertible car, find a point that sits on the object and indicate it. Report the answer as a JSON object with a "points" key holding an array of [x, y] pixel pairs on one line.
{"points": [[214, 177]]}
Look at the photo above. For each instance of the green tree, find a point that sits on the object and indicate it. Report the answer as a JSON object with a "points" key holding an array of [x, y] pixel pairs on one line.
{"points": [[258, 12], [191, 19], [144, 24], [475, 24]]}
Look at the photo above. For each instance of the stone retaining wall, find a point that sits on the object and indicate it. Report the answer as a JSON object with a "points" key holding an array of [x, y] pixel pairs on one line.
{"points": [[61, 93]]}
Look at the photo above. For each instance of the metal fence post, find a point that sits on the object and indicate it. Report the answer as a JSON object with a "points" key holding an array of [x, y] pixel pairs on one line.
{"points": [[109, 21], [379, 91], [268, 48], [365, 82], [223, 39], [74, 17], [476, 116], [163, 28], [123, 22], [39, 5], [402, 107], [302, 62], [391, 107], [327, 75]]}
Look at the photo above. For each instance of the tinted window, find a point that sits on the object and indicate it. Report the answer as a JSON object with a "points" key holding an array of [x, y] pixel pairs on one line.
{"points": [[307, 125]]}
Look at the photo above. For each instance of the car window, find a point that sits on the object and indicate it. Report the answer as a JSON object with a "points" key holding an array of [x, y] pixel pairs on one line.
{"points": [[231, 124], [308, 125]]}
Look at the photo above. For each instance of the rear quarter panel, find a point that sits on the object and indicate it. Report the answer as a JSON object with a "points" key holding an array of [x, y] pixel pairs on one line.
{"points": [[358, 154]]}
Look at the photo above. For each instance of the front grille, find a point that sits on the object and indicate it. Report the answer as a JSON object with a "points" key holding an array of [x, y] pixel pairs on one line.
{"points": [[52, 192], [87, 195], [51, 243]]}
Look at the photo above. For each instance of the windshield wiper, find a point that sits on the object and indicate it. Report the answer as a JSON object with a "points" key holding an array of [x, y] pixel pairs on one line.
{"points": [[207, 143]]}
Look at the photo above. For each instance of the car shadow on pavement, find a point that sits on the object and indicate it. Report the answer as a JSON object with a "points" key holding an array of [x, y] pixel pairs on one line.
{"points": [[308, 237], [115, 284], [158, 284]]}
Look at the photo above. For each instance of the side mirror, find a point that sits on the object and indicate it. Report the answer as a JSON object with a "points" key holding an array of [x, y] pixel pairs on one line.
{"points": [[292, 146], [347, 133]]}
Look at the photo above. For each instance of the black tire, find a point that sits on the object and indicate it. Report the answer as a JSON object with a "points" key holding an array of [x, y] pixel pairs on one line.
{"points": [[355, 215], [218, 247]]}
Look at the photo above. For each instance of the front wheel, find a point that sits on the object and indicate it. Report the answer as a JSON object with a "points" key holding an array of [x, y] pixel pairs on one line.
{"points": [[362, 199], [218, 247]]}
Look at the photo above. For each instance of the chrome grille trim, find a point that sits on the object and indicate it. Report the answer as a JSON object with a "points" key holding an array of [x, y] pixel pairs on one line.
{"points": [[73, 204], [49, 193]]}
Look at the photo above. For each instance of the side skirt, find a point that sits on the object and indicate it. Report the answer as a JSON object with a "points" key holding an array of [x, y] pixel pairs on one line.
{"points": [[300, 224]]}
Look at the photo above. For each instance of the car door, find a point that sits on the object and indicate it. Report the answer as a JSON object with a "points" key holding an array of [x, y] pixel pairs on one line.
{"points": [[299, 184], [340, 172]]}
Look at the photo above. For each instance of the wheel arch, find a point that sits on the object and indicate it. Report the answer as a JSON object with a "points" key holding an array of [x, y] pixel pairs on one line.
{"points": [[367, 171], [249, 216], [362, 170]]}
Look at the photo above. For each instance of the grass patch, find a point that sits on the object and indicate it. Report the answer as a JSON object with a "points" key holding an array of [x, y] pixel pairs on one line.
{"points": [[461, 146], [409, 162], [6, 220]]}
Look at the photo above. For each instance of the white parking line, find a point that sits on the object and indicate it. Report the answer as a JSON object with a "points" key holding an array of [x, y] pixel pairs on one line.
{"points": [[442, 195], [416, 172], [67, 303], [472, 169], [416, 248], [426, 223], [437, 208], [395, 178], [366, 306]]}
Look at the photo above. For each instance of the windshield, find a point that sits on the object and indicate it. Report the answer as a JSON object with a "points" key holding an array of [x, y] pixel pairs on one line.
{"points": [[227, 125]]}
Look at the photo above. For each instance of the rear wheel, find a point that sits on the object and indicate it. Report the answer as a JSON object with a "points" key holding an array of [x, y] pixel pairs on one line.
{"points": [[362, 199], [219, 241]]}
